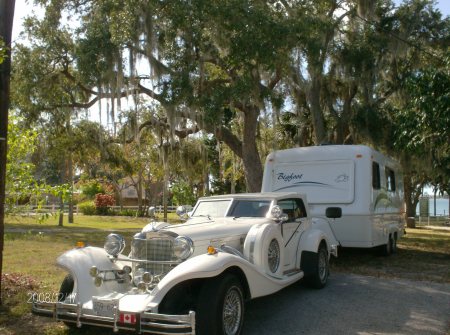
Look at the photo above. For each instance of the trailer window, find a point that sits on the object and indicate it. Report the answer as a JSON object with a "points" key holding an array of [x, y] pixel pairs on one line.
{"points": [[390, 180], [376, 176]]}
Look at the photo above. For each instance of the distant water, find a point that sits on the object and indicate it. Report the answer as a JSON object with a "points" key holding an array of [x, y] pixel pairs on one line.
{"points": [[441, 207]]}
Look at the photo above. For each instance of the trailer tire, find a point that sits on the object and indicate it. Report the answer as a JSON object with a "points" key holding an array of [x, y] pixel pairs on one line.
{"points": [[317, 267], [386, 249], [394, 244], [220, 308]]}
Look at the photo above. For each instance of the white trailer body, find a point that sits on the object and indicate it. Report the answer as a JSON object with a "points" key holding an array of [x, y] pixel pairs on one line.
{"points": [[364, 183]]}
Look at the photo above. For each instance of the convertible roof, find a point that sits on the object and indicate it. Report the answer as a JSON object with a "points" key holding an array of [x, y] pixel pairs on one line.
{"points": [[264, 195]]}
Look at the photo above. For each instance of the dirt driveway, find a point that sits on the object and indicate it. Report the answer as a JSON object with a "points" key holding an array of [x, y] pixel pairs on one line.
{"points": [[354, 305]]}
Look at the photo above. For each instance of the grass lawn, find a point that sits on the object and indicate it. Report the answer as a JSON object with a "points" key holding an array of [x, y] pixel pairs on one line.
{"points": [[423, 254], [82, 221], [31, 249]]}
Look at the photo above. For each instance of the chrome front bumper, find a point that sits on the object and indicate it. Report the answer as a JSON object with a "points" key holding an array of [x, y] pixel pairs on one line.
{"points": [[145, 322]]}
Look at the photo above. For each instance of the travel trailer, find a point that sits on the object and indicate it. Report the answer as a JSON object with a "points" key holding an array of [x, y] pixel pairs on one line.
{"points": [[364, 183]]}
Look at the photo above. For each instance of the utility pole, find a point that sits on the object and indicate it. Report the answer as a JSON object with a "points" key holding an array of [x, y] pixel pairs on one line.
{"points": [[6, 23]]}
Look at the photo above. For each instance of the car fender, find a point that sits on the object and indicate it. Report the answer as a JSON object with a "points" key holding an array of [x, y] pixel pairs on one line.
{"points": [[79, 261], [208, 266], [311, 240]]}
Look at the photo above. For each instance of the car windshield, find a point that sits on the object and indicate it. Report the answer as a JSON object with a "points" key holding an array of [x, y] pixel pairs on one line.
{"points": [[250, 208], [219, 208], [212, 208]]}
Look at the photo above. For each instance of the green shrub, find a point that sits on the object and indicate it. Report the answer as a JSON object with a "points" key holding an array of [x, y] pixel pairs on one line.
{"points": [[87, 208], [92, 187], [126, 212]]}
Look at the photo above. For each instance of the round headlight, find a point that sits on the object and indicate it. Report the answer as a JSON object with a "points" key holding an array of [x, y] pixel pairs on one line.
{"points": [[183, 247], [114, 244]]}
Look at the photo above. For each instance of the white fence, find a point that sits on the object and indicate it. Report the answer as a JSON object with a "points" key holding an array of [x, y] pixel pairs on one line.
{"points": [[32, 209]]}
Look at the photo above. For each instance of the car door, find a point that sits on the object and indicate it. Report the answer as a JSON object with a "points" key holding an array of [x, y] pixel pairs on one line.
{"points": [[292, 229]]}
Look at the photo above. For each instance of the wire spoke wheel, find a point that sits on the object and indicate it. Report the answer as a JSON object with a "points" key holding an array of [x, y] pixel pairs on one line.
{"points": [[221, 306], [232, 311], [323, 265], [316, 267]]}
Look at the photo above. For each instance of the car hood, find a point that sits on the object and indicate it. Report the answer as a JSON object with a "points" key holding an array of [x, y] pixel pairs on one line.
{"points": [[217, 231], [203, 228]]}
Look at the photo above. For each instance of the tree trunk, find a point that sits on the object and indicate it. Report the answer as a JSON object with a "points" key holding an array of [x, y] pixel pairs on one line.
{"points": [[139, 193], [118, 191], [247, 150], [165, 192], [70, 179], [316, 109], [448, 194], [233, 175], [206, 192], [343, 122], [69, 172], [61, 211], [250, 157], [412, 195], [62, 179], [6, 23], [435, 190]]}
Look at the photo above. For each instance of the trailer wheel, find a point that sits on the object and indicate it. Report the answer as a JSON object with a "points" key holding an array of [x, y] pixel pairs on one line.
{"points": [[386, 249], [394, 244], [220, 308], [317, 268]]}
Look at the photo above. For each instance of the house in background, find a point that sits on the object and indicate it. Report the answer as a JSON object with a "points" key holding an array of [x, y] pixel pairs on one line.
{"points": [[151, 194]]}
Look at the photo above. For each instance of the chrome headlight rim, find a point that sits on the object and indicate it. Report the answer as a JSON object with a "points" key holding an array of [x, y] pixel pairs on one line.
{"points": [[183, 247], [114, 244]]}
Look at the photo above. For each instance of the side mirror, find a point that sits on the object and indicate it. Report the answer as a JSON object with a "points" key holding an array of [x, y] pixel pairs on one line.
{"points": [[182, 212], [277, 214], [333, 212]]}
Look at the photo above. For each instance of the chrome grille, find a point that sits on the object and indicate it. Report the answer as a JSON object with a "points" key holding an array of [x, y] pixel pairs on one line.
{"points": [[153, 249]]}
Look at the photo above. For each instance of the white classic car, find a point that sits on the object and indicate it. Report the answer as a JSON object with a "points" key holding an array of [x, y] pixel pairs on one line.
{"points": [[193, 278]]}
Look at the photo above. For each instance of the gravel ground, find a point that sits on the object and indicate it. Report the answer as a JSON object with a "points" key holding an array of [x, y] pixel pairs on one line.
{"points": [[353, 304]]}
